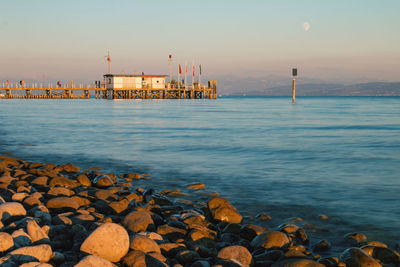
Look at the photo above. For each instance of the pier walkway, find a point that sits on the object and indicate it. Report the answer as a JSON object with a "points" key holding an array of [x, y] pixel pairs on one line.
{"points": [[18, 90]]}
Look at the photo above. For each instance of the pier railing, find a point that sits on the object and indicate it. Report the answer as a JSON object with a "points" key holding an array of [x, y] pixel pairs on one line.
{"points": [[126, 91]]}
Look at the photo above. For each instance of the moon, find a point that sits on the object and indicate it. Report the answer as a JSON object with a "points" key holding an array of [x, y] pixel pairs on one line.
{"points": [[306, 26]]}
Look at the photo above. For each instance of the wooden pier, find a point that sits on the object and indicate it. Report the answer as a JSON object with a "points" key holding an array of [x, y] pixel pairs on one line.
{"points": [[18, 90]]}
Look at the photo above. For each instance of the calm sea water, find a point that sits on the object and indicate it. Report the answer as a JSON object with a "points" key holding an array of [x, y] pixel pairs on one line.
{"points": [[338, 156]]}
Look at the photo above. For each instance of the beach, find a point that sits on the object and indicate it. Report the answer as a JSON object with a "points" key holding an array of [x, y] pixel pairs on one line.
{"points": [[64, 216]]}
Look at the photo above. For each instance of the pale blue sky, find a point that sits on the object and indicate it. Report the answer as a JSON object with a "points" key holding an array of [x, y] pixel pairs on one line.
{"points": [[69, 39]]}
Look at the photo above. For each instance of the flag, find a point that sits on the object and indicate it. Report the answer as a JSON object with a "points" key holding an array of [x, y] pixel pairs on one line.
{"points": [[186, 68], [180, 69], [170, 57], [200, 68], [193, 70], [108, 58]]}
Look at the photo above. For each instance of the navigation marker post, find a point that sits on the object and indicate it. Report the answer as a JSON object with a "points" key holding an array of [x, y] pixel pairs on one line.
{"points": [[294, 74]]}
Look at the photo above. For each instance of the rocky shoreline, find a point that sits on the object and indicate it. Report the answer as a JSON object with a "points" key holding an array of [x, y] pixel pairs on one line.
{"points": [[62, 216]]}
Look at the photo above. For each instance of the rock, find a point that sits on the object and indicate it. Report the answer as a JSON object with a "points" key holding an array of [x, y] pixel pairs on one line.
{"points": [[170, 232], [36, 233], [62, 203], [297, 263], [6, 241], [35, 264], [355, 238], [236, 253], [197, 186], [62, 181], [61, 220], [32, 201], [94, 261], [82, 201], [21, 239], [84, 180], [355, 257], [249, 231], [145, 244], [384, 255], [187, 256], [119, 206], [200, 263], [301, 236], [323, 217], [82, 219], [151, 235], [138, 258], [19, 197], [137, 221], [170, 249], [69, 168], [263, 217], [42, 253], [41, 180], [60, 191], [222, 210], [102, 180], [322, 245], [109, 241], [270, 239], [11, 210]]}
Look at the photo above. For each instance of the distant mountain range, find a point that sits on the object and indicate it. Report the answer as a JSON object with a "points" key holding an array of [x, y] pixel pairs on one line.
{"points": [[329, 89], [281, 86]]}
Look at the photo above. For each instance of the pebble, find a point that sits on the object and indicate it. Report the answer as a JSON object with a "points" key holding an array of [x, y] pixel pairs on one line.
{"points": [[109, 241]]}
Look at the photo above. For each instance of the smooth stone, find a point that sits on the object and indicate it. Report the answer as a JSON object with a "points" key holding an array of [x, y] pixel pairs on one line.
{"points": [[137, 221], [41, 180], [270, 239], [35, 264], [288, 228], [120, 206], [6, 241], [236, 253], [21, 239], [222, 210], [64, 203], [170, 249], [11, 209], [143, 243], [60, 191], [356, 238], [170, 232], [196, 186], [61, 220], [322, 245], [263, 217], [84, 180], [36, 233], [44, 217], [354, 257], [297, 263], [19, 197], [70, 168], [151, 235], [187, 256], [62, 181], [94, 261], [384, 255], [42, 253], [109, 241], [82, 201], [138, 258]]}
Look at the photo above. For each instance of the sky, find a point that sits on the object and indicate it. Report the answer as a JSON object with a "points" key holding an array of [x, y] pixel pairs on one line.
{"points": [[50, 40]]}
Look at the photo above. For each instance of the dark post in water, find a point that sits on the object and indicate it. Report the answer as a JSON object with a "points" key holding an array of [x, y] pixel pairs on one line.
{"points": [[294, 74]]}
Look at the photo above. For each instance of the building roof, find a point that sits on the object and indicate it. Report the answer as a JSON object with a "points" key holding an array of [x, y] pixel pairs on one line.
{"points": [[134, 75]]}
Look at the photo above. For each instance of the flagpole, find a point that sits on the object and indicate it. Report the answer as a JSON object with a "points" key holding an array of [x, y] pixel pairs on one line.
{"points": [[199, 74], [193, 75], [170, 70], [186, 74]]}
